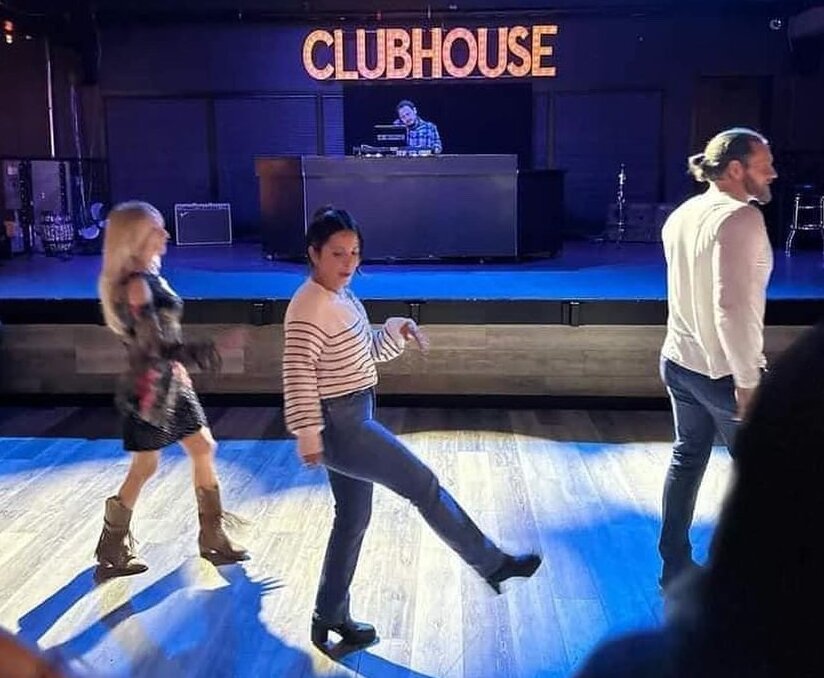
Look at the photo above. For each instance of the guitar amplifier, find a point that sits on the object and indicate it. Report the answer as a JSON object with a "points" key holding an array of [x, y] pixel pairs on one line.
{"points": [[203, 223]]}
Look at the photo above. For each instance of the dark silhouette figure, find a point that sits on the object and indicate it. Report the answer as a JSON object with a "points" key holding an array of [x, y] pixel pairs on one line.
{"points": [[754, 611]]}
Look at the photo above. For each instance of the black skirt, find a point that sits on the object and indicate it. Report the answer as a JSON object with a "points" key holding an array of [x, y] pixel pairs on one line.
{"points": [[188, 418]]}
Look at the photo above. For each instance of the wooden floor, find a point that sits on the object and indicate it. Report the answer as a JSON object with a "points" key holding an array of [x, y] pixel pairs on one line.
{"points": [[583, 487]]}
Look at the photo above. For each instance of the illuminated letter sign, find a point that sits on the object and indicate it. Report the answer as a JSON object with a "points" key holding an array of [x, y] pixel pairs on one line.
{"points": [[398, 59], [483, 54], [419, 53], [309, 54], [430, 53], [380, 54]]}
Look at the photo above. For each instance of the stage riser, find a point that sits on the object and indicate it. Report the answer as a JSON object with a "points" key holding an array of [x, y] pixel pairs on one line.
{"points": [[546, 360]]}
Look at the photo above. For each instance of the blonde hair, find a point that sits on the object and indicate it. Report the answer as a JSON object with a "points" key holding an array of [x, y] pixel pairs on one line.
{"points": [[128, 227], [737, 143]]}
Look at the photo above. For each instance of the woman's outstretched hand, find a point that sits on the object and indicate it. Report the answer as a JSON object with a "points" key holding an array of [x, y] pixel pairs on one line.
{"points": [[410, 330]]}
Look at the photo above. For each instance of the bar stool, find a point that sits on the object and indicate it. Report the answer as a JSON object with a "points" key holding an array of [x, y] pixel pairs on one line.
{"points": [[808, 215]]}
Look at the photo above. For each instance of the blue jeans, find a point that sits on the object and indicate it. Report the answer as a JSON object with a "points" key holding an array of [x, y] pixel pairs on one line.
{"points": [[359, 451], [701, 407]]}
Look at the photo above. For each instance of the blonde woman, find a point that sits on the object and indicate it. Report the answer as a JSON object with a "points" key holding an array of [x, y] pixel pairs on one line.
{"points": [[155, 395]]}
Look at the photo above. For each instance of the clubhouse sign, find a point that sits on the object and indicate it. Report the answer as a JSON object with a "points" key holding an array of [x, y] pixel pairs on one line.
{"points": [[430, 53]]}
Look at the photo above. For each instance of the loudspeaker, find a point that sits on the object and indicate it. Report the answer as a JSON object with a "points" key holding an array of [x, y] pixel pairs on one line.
{"points": [[50, 188], [203, 223], [51, 204], [643, 221]]}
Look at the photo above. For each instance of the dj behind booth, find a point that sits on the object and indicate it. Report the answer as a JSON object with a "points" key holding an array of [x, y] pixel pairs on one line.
{"points": [[413, 202]]}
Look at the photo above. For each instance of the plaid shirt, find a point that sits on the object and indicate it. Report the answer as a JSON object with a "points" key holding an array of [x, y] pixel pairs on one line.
{"points": [[423, 135]]}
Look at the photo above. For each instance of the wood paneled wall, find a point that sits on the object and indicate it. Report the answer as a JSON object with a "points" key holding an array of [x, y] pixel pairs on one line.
{"points": [[553, 360]]}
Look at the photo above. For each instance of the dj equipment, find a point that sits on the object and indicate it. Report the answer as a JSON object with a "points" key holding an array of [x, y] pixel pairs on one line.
{"points": [[367, 151]]}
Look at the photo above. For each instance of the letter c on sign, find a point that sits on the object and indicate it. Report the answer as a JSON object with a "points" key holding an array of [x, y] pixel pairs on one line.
{"points": [[308, 54]]}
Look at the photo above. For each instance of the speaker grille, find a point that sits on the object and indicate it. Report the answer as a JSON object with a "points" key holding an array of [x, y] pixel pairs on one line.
{"points": [[203, 223]]}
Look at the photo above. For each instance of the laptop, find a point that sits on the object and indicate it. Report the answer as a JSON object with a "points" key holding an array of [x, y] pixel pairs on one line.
{"points": [[390, 136]]}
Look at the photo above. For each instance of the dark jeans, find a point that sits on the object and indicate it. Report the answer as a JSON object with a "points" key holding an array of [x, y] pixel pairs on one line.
{"points": [[701, 407], [359, 451]]}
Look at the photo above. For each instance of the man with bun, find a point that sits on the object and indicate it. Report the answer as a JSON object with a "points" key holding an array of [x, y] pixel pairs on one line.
{"points": [[719, 261]]}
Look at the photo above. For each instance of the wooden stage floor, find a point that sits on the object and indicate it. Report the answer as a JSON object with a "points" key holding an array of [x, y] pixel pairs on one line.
{"points": [[583, 487]]}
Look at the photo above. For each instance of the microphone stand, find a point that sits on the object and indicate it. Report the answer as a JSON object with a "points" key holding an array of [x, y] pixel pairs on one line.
{"points": [[621, 204], [617, 235]]}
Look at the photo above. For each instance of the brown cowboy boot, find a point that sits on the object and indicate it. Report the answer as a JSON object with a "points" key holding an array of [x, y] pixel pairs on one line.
{"points": [[115, 550], [213, 541]]}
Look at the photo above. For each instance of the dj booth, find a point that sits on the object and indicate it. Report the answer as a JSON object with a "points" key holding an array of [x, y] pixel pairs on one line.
{"points": [[408, 208]]}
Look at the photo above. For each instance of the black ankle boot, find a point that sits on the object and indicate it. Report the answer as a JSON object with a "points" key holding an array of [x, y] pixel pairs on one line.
{"points": [[350, 631], [514, 566]]}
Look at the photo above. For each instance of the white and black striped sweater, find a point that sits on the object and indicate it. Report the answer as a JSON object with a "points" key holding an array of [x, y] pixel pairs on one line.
{"points": [[330, 350]]}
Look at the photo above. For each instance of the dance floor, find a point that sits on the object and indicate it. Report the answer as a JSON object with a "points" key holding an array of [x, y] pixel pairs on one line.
{"points": [[582, 487]]}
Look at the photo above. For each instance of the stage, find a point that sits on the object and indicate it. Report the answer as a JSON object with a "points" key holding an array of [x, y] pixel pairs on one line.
{"points": [[588, 322], [597, 275]]}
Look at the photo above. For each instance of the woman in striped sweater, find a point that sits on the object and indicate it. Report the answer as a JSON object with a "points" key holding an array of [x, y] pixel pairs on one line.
{"points": [[329, 377]]}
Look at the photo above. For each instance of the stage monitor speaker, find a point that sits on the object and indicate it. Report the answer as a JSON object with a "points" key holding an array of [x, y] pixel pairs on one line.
{"points": [[203, 223], [643, 221]]}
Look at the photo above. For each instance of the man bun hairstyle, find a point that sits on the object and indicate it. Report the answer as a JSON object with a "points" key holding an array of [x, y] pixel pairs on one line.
{"points": [[732, 144]]}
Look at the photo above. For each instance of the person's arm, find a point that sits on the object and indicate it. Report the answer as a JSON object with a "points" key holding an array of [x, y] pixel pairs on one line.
{"points": [[150, 338], [303, 343], [18, 660], [388, 342], [739, 295], [437, 146]]}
